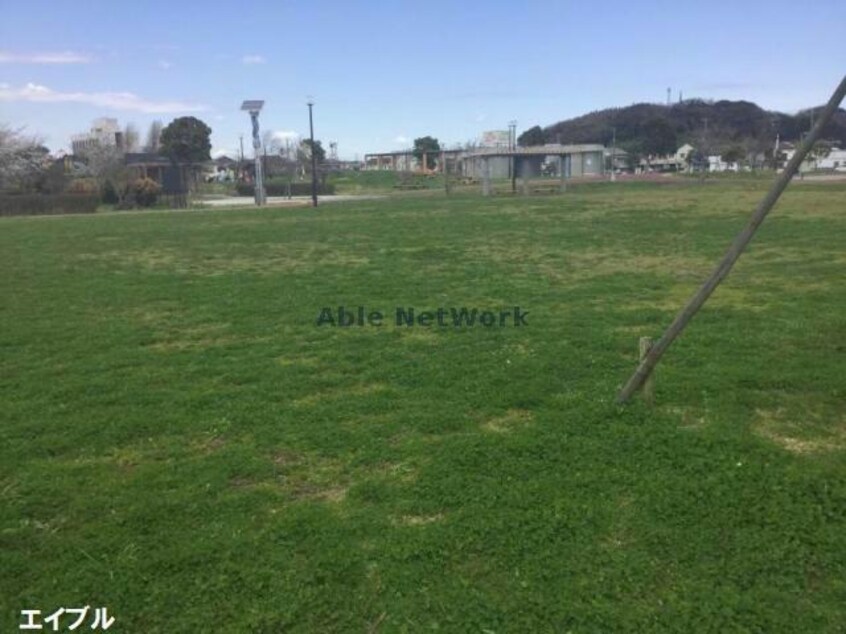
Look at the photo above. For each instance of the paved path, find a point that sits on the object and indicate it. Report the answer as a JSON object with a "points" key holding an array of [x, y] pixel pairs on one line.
{"points": [[282, 201]]}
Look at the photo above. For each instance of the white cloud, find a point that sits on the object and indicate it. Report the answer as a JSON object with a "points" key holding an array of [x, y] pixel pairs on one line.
{"points": [[481, 117], [401, 139], [165, 65], [281, 135], [218, 152], [63, 57], [253, 59], [111, 100]]}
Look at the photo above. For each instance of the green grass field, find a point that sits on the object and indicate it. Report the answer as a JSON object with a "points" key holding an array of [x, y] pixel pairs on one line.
{"points": [[181, 443]]}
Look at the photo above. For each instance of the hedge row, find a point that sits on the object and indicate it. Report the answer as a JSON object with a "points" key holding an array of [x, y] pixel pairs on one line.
{"points": [[281, 189], [44, 204]]}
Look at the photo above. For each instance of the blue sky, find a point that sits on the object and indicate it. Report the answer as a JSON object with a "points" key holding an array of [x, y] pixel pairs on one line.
{"points": [[384, 73]]}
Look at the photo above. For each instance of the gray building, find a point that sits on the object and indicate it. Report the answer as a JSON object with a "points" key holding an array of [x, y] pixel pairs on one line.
{"points": [[577, 161], [567, 161]]}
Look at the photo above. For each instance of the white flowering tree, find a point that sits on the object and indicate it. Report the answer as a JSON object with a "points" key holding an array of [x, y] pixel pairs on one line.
{"points": [[24, 160]]}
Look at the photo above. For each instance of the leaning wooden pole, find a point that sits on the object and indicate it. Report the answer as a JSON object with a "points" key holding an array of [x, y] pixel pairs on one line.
{"points": [[724, 267]]}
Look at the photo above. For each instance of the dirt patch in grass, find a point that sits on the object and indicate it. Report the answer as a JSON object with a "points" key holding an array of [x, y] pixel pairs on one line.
{"points": [[266, 259], [209, 445], [178, 345], [418, 520], [339, 393], [284, 458], [812, 435], [300, 476], [309, 491], [421, 335], [395, 471], [674, 297], [512, 420], [688, 417], [300, 361], [564, 266], [169, 335]]}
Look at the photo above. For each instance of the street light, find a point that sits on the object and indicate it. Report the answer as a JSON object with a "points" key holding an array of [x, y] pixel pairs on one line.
{"points": [[313, 154], [613, 152], [254, 106], [512, 145]]}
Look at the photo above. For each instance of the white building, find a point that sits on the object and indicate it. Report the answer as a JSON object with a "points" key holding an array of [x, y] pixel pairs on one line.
{"points": [[104, 132], [717, 164], [836, 160], [677, 162]]}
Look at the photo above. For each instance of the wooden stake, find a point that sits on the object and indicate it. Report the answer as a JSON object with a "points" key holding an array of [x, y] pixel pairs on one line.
{"points": [[743, 238], [649, 384]]}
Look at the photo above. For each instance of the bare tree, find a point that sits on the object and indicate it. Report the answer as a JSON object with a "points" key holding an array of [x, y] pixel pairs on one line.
{"points": [[271, 143], [154, 137], [131, 138], [106, 165]]}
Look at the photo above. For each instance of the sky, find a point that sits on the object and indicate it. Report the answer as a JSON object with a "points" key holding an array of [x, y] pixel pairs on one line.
{"points": [[384, 73]]}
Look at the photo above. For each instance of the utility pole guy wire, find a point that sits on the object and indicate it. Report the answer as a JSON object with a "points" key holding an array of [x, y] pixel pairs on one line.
{"points": [[724, 267]]}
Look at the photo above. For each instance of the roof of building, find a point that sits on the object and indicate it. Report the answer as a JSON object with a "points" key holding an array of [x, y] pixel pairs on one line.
{"points": [[145, 158], [539, 150]]}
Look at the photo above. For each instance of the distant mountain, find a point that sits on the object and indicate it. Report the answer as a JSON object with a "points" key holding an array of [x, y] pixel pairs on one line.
{"points": [[711, 126]]}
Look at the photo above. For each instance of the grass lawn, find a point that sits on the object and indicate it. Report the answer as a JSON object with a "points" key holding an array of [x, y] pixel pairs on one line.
{"points": [[181, 443]]}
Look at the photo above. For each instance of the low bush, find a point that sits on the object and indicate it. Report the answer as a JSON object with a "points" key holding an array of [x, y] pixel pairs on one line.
{"points": [[45, 204], [145, 192], [83, 186], [109, 194]]}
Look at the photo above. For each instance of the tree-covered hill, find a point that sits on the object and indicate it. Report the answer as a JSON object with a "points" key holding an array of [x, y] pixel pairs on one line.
{"points": [[712, 126]]}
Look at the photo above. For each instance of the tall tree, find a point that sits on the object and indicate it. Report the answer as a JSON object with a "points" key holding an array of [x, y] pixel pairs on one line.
{"points": [[427, 145], [733, 154], [319, 152], [186, 140], [532, 136]]}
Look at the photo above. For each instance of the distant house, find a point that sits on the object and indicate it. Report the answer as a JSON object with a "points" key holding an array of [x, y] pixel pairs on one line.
{"points": [[156, 167], [717, 164], [224, 162], [684, 152], [835, 160], [620, 160], [786, 154], [677, 162]]}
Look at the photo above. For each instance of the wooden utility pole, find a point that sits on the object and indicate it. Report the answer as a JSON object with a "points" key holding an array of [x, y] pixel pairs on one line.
{"points": [[724, 267], [645, 345]]}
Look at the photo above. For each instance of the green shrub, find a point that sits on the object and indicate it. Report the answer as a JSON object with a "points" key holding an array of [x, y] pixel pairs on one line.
{"points": [[109, 195], [277, 188], [44, 204]]}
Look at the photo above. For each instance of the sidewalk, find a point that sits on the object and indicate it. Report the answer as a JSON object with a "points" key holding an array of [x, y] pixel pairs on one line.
{"points": [[282, 201]]}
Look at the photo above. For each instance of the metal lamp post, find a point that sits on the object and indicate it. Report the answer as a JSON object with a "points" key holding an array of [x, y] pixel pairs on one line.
{"points": [[254, 106], [512, 145], [313, 154], [613, 153]]}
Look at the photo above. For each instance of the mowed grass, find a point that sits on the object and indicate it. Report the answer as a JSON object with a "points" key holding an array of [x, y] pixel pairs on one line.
{"points": [[182, 444]]}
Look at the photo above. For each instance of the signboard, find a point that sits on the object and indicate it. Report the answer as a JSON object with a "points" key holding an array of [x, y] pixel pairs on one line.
{"points": [[495, 138]]}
